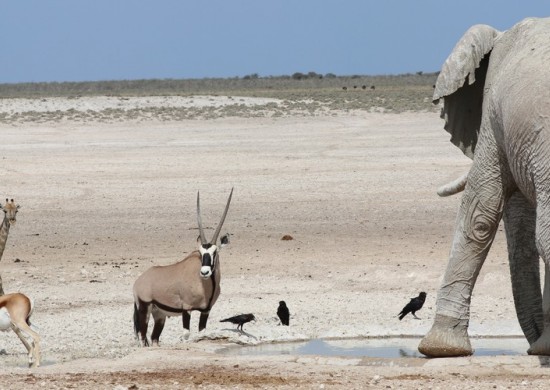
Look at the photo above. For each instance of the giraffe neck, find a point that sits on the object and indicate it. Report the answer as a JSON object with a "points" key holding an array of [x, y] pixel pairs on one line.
{"points": [[4, 230]]}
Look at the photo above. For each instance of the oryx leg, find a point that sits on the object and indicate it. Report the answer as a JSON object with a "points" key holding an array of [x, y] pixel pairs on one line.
{"points": [[22, 330], [160, 319], [143, 313], [203, 320], [186, 320]]}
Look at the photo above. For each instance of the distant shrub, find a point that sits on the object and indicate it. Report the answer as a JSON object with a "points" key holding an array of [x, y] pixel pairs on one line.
{"points": [[253, 76], [308, 76], [251, 84]]}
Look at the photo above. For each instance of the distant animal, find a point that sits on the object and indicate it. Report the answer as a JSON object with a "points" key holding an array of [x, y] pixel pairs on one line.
{"points": [[345, 88], [240, 320], [283, 313], [178, 289], [413, 306], [15, 314]]}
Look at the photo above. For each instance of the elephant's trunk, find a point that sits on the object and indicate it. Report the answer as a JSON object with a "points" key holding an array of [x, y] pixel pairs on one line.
{"points": [[542, 345], [528, 302], [519, 220]]}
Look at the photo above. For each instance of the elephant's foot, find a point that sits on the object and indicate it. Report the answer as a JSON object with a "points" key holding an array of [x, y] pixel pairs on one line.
{"points": [[542, 345], [448, 337]]}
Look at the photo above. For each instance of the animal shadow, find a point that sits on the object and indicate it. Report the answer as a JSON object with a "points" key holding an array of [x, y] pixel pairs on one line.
{"points": [[241, 332]]}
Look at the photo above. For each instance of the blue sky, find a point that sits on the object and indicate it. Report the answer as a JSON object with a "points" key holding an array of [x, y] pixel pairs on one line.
{"points": [[87, 40]]}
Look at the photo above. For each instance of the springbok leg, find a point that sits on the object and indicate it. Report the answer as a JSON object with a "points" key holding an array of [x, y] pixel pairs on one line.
{"points": [[22, 330], [21, 337]]}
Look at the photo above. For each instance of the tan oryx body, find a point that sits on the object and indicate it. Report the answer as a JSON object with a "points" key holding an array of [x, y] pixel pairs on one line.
{"points": [[15, 313], [178, 289], [10, 211]]}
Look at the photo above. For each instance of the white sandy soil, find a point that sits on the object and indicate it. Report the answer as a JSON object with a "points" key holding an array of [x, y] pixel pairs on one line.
{"points": [[100, 203]]}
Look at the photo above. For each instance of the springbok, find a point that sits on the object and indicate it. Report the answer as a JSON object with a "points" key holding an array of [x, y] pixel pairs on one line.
{"points": [[191, 284], [15, 314]]}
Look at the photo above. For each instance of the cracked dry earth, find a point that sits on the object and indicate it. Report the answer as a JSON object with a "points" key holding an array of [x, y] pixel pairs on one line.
{"points": [[102, 202]]}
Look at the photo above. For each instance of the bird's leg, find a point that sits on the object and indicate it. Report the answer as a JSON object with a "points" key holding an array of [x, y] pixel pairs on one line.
{"points": [[414, 315]]}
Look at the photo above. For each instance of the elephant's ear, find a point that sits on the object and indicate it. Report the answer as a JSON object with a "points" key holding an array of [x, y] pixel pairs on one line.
{"points": [[461, 83]]}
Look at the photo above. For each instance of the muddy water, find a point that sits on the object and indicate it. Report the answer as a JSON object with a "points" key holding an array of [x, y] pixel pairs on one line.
{"points": [[377, 348]]}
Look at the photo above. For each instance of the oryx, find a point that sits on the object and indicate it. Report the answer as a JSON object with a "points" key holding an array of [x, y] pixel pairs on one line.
{"points": [[15, 314], [191, 284]]}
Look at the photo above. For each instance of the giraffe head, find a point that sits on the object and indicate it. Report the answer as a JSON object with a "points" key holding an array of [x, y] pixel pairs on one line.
{"points": [[10, 210]]}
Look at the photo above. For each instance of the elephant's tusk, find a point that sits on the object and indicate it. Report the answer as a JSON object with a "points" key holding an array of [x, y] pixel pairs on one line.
{"points": [[453, 187]]}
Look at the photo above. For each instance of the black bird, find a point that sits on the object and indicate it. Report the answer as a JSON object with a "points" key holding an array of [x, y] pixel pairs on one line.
{"points": [[413, 306], [283, 313], [240, 320]]}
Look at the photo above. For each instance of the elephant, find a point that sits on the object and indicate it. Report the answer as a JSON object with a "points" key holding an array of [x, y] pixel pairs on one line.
{"points": [[495, 88]]}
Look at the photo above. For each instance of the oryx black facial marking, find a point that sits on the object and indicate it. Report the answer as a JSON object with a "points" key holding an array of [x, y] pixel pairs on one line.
{"points": [[209, 255]]}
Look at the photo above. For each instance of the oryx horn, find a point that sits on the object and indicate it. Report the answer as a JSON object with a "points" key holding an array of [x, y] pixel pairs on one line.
{"points": [[201, 232], [217, 232]]}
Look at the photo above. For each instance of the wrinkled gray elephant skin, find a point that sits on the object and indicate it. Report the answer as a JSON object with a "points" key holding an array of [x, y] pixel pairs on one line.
{"points": [[496, 91]]}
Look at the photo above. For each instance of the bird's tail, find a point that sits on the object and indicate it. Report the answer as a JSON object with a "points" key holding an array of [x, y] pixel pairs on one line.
{"points": [[226, 320], [401, 315]]}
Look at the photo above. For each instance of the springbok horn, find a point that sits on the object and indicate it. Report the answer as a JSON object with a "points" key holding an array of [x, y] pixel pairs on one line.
{"points": [[453, 187], [203, 238], [217, 232]]}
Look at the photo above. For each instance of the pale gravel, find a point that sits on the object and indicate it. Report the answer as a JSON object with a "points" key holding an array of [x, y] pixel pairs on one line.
{"points": [[103, 202]]}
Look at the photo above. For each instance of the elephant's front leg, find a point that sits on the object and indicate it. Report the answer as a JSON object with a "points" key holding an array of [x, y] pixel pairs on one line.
{"points": [[477, 222]]}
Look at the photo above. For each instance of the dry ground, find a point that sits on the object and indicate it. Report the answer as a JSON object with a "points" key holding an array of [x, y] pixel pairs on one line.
{"points": [[101, 202]]}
